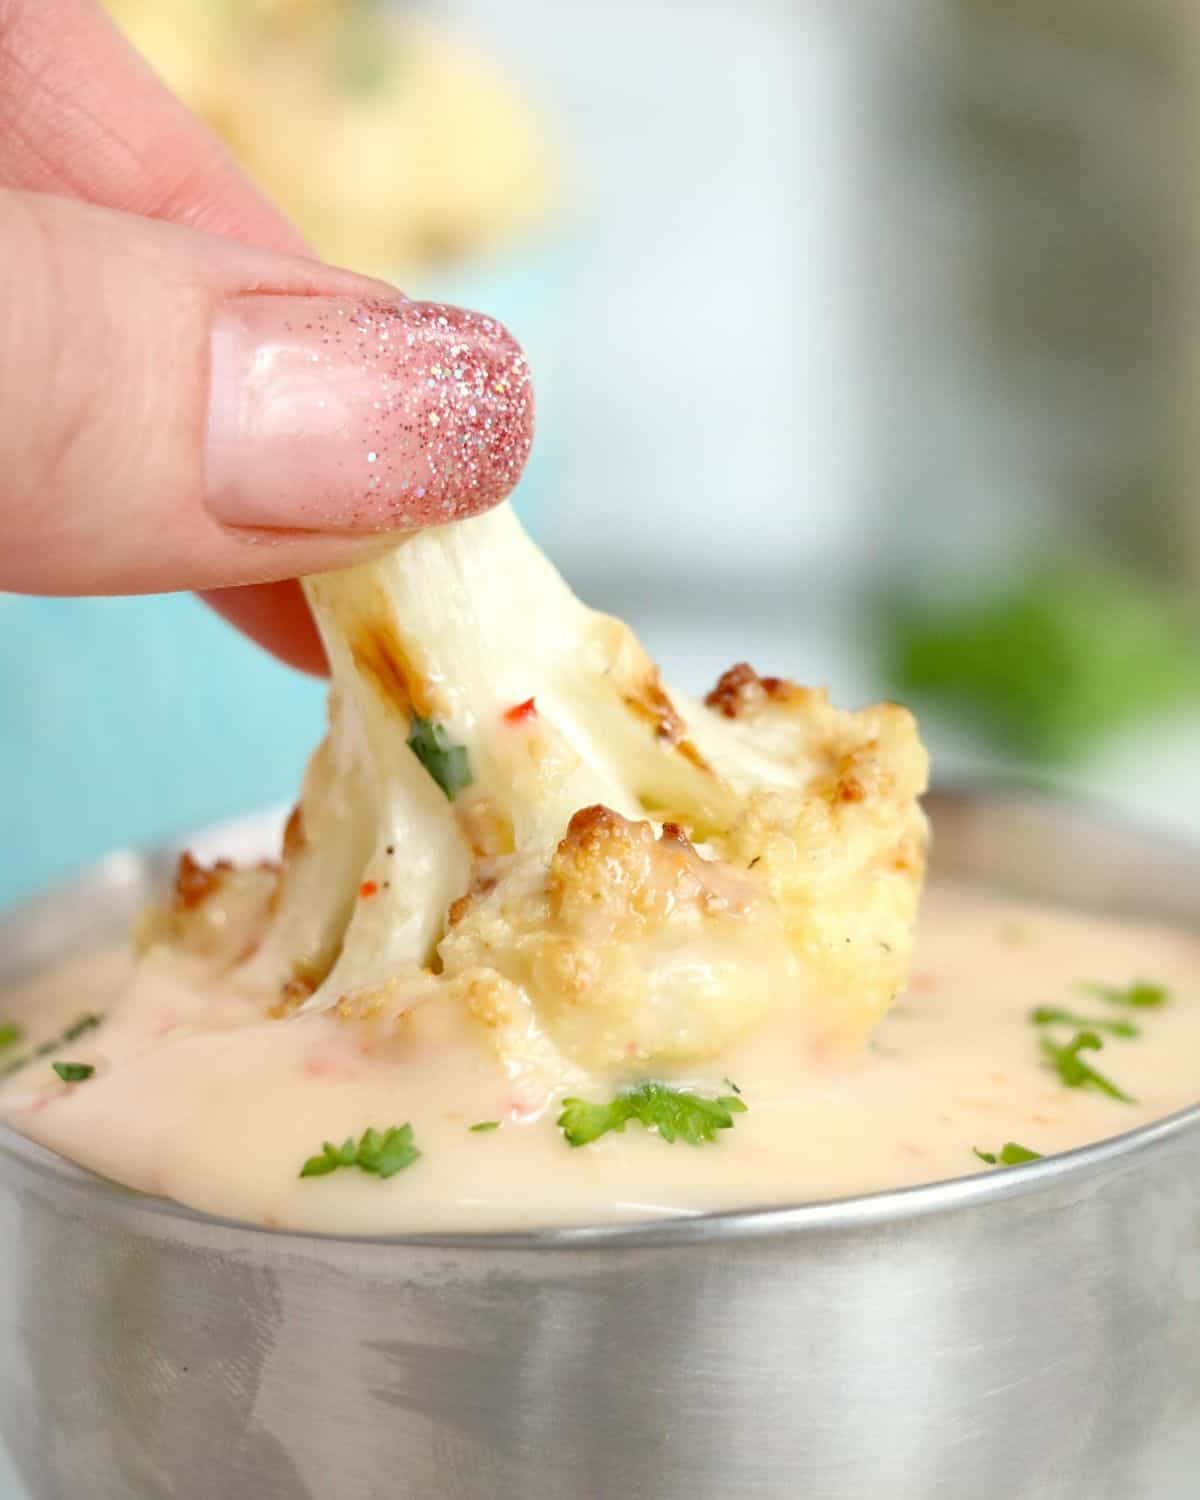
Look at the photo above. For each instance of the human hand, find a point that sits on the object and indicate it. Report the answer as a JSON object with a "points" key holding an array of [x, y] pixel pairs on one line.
{"points": [[190, 400]]}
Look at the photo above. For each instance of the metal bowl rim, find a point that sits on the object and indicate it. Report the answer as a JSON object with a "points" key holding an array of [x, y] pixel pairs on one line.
{"points": [[862, 1211], [859, 1211]]}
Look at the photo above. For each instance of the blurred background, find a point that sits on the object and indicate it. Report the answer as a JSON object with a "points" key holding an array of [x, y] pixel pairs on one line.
{"points": [[864, 332]]}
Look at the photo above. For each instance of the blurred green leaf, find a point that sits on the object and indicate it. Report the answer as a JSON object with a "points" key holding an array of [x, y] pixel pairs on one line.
{"points": [[1053, 662]]}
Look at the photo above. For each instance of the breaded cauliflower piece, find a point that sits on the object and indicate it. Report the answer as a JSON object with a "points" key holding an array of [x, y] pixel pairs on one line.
{"points": [[512, 813]]}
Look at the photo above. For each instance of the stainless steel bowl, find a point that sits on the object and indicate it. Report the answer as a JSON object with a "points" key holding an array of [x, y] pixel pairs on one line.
{"points": [[1031, 1335]]}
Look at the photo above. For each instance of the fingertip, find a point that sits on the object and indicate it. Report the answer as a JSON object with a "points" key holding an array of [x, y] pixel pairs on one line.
{"points": [[329, 414]]}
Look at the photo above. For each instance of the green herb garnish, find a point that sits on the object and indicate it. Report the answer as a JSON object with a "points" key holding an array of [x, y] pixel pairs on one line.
{"points": [[85, 1023], [484, 1125], [674, 1113], [78, 1028], [1009, 1155], [382, 1153], [1076, 1073], [1136, 996], [73, 1072], [731, 1086], [10, 1033], [1053, 1015], [445, 761]]}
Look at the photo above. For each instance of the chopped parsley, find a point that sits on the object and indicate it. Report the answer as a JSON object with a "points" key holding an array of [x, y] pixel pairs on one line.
{"points": [[10, 1034], [87, 1022], [1074, 1072], [675, 1114], [73, 1072], [383, 1153], [445, 761], [1053, 1015], [1136, 996], [483, 1125], [1066, 1060], [1009, 1155]]}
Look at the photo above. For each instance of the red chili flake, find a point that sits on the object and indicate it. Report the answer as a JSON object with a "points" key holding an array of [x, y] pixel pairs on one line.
{"points": [[368, 888], [519, 712]]}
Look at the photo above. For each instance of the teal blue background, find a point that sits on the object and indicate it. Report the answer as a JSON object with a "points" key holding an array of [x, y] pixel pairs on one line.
{"points": [[128, 719], [125, 721]]}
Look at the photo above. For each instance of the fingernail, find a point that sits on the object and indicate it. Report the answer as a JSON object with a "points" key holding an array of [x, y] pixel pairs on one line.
{"points": [[333, 415]]}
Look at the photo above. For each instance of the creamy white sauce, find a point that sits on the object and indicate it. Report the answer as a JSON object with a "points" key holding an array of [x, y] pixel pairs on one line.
{"points": [[197, 1097]]}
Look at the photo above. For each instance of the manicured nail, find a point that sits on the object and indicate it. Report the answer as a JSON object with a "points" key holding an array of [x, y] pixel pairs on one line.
{"points": [[334, 415]]}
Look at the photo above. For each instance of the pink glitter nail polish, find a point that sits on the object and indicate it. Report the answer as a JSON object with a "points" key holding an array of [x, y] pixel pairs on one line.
{"points": [[333, 415]]}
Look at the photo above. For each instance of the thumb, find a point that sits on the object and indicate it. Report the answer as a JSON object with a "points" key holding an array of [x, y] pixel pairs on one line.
{"points": [[184, 411]]}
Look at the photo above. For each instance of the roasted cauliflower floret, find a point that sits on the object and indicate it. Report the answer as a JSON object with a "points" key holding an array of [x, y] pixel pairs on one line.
{"points": [[631, 947], [843, 861], [513, 814], [216, 912]]}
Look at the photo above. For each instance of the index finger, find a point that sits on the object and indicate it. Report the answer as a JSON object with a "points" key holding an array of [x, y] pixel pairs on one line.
{"points": [[82, 115]]}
